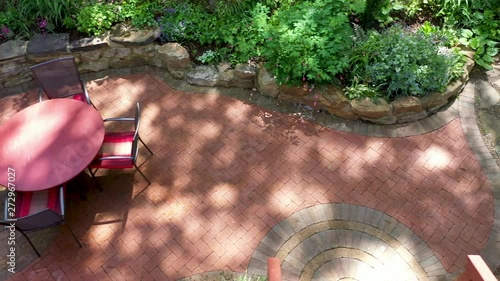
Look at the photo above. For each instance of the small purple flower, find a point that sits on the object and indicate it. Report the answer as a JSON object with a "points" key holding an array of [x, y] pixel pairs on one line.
{"points": [[42, 23], [5, 30]]}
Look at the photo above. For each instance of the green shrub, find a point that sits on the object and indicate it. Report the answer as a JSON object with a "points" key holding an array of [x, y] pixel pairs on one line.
{"points": [[16, 24], [483, 37], [139, 13], [309, 40], [242, 34], [213, 57], [97, 18], [404, 63], [54, 11], [225, 6], [250, 36], [359, 91], [181, 22], [480, 21]]}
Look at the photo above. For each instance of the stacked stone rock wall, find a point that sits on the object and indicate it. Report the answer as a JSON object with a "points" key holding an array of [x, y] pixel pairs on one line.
{"points": [[125, 47]]}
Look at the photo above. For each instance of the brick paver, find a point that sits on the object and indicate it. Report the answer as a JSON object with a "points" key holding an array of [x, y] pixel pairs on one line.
{"points": [[225, 172]]}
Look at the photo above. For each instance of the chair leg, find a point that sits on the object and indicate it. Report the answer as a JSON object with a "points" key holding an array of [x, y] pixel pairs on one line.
{"points": [[73, 233], [91, 103], [29, 240], [146, 146], [149, 183], [92, 174]]}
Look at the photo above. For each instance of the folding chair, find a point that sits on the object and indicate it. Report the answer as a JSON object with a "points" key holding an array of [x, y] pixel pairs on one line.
{"points": [[38, 210], [119, 149], [60, 78]]}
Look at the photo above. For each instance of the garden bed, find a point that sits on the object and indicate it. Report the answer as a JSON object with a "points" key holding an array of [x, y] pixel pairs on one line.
{"points": [[360, 60]]}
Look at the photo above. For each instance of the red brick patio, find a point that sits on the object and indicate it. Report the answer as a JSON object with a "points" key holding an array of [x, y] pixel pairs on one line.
{"points": [[225, 172]]}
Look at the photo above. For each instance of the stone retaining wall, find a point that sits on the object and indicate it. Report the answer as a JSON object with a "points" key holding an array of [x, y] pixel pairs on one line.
{"points": [[123, 48]]}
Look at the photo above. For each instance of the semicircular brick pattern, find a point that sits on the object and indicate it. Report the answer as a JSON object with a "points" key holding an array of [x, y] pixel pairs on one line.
{"points": [[345, 242]]}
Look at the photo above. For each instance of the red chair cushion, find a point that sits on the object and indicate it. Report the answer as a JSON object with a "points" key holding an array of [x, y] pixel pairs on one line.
{"points": [[28, 203], [80, 97], [115, 144]]}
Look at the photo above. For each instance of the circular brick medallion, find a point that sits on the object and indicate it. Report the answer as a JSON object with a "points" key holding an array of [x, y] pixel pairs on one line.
{"points": [[345, 242]]}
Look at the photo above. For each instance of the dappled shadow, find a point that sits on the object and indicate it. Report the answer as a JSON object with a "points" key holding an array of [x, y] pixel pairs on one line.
{"points": [[225, 172]]}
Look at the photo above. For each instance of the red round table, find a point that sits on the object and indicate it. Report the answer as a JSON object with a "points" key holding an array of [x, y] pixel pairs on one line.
{"points": [[49, 143]]}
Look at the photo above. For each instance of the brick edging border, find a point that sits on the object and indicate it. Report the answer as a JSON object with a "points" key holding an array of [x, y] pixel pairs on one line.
{"points": [[467, 115]]}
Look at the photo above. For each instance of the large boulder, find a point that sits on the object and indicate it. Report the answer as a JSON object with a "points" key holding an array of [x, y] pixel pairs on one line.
{"points": [[203, 75], [48, 44], [242, 76], [12, 49], [13, 67], [405, 105], [87, 44], [94, 66], [245, 71], [369, 108], [91, 56], [128, 62], [146, 51], [331, 97], [175, 58], [266, 84], [127, 35], [294, 91], [174, 55], [333, 100], [117, 53]]}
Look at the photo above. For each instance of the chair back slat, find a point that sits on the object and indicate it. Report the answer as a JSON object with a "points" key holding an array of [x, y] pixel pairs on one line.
{"points": [[45, 218], [28, 203], [59, 78]]}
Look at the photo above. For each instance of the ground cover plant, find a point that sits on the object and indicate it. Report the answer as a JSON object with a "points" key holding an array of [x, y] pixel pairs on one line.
{"points": [[371, 48]]}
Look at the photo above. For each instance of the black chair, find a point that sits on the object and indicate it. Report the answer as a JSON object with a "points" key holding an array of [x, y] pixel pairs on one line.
{"points": [[60, 78], [38, 210], [119, 149]]}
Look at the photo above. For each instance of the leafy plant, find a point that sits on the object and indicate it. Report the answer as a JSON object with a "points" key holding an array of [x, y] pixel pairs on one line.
{"points": [[309, 40], [404, 63], [240, 35], [97, 18], [480, 23], [226, 7], [359, 91], [212, 57], [441, 35], [140, 13], [54, 11], [482, 37], [379, 11], [181, 22], [17, 25], [243, 34], [250, 35]]}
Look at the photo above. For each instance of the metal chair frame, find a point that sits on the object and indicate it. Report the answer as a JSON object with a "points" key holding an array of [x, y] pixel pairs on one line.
{"points": [[43, 219], [54, 74], [135, 147]]}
